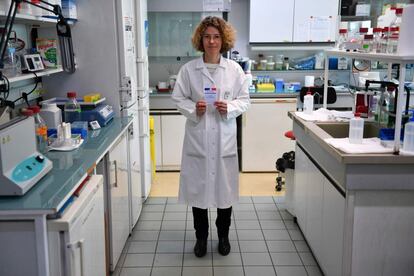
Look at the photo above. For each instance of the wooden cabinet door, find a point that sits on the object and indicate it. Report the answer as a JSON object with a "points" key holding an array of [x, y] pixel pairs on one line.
{"points": [[271, 20]]}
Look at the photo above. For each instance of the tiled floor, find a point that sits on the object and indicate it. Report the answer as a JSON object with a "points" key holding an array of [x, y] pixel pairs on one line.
{"points": [[264, 239]]}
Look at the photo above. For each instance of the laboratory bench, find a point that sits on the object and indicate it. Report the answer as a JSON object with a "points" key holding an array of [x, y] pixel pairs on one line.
{"points": [[355, 210], [69, 170], [50, 230]]}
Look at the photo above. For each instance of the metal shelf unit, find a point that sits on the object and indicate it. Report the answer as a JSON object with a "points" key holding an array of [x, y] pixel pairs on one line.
{"points": [[391, 59]]}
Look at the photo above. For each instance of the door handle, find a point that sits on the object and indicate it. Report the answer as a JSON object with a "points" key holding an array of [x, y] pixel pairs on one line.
{"points": [[72, 246], [116, 174]]}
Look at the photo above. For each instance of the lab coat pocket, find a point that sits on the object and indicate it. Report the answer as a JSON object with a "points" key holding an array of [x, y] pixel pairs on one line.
{"points": [[195, 142], [229, 139]]}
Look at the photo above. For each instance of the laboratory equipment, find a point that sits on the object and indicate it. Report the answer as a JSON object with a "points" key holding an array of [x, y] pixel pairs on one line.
{"points": [[103, 113], [33, 62], [41, 129], [21, 165], [356, 129]]}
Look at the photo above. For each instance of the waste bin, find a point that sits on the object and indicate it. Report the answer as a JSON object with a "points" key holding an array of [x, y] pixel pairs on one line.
{"points": [[152, 145]]}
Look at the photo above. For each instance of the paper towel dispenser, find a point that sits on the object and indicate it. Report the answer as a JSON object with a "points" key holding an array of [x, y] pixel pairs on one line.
{"points": [[189, 6]]}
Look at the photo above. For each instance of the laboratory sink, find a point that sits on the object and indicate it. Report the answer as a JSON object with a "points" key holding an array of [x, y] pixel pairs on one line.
{"points": [[341, 130]]}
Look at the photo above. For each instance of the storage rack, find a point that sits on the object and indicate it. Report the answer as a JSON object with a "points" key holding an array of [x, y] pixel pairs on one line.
{"points": [[402, 61]]}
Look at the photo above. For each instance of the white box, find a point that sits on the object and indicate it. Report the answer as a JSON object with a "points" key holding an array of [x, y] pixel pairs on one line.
{"points": [[363, 9], [69, 9]]}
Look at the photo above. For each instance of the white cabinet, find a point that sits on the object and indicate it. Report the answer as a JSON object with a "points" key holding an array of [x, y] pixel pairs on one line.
{"points": [[271, 21], [263, 128], [118, 199], [320, 213], [169, 128], [332, 230], [293, 20]]}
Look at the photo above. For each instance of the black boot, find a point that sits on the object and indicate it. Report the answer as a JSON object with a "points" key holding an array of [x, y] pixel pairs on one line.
{"points": [[224, 246], [200, 248]]}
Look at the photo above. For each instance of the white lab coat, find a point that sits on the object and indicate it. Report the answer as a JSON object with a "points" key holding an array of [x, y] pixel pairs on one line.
{"points": [[209, 168]]}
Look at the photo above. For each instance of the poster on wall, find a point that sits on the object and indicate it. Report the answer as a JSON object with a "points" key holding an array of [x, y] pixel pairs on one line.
{"points": [[213, 5]]}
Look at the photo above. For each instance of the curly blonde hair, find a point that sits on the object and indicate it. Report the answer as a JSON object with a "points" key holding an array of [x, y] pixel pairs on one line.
{"points": [[227, 32]]}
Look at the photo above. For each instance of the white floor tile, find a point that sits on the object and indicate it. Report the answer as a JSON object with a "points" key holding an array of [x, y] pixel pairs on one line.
{"points": [[191, 260], [136, 271], [256, 259], [259, 271], [228, 271], [197, 271], [253, 246], [286, 259], [168, 259], [166, 271], [135, 260], [232, 259], [290, 271]]}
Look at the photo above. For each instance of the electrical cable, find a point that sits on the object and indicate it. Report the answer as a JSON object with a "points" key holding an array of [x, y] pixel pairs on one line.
{"points": [[25, 95]]}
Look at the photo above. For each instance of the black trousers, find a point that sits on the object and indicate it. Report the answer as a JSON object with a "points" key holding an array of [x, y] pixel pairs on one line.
{"points": [[223, 222]]}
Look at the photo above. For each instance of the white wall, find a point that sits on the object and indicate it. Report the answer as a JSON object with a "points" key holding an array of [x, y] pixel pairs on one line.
{"points": [[239, 18]]}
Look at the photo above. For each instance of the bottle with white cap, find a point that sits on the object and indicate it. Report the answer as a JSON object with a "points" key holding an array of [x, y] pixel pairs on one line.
{"points": [[51, 114], [308, 103], [356, 129]]}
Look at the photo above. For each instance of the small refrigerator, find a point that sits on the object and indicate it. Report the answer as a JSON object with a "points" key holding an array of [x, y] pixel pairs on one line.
{"points": [[77, 239]]}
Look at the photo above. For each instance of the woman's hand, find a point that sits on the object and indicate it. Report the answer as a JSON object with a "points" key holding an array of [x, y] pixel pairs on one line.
{"points": [[221, 107], [201, 107]]}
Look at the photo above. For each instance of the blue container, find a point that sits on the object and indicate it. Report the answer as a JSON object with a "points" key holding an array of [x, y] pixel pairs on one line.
{"points": [[279, 83], [333, 63]]}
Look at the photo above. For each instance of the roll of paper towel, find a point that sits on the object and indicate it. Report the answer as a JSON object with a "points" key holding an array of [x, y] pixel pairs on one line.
{"points": [[309, 81], [406, 40]]}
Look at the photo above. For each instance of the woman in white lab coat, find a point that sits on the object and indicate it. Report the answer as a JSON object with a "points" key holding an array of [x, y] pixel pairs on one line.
{"points": [[211, 92]]}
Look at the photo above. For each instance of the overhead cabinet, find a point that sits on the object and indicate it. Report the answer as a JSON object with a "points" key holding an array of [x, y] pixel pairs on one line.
{"points": [[276, 21]]}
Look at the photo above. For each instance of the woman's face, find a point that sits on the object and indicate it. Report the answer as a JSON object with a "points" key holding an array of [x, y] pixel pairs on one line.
{"points": [[212, 41]]}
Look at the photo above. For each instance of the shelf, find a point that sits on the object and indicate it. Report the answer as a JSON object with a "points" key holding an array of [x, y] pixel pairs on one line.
{"points": [[294, 71], [372, 56], [292, 47], [33, 20], [29, 76]]}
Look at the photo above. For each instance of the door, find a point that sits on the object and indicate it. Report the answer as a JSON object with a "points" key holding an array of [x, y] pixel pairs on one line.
{"points": [[118, 197], [271, 21]]}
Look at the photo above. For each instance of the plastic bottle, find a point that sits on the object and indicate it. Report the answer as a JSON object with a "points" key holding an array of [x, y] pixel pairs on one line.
{"points": [[286, 63], [51, 114], [72, 108], [386, 19], [342, 38], [362, 33], [373, 106], [279, 62], [397, 20], [383, 114], [41, 129], [356, 129], [308, 103], [408, 144]]}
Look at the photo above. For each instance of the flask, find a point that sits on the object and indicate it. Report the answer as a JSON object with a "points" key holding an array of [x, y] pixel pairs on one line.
{"points": [[41, 129], [308, 103], [72, 108], [356, 129]]}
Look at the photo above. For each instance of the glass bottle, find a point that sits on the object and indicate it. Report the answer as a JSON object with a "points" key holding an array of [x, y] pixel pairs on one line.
{"points": [[342, 38], [362, 33], [367, 43], [286, 63], [377, 44], [384, 39], [72, 109], [279, 62], [392, 42]]}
